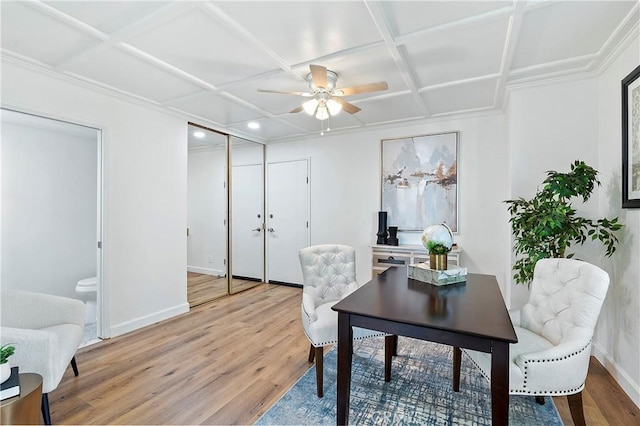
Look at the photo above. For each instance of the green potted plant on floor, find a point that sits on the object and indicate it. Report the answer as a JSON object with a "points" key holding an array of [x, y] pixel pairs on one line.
{"points": [[547, 225], [5, 370]]}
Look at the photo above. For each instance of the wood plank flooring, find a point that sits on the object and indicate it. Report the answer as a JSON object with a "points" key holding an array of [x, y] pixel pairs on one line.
{"points": [[226, 362], [203, 288]]}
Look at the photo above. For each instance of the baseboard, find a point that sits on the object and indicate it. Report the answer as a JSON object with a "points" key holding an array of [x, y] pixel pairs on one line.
{"points": [[627, 384], [150, 319], [207, 271]]}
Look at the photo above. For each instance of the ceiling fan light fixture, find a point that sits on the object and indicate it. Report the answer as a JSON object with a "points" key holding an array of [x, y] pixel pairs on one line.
{"points": [[334, 106], [322, 113], [310, 106]]}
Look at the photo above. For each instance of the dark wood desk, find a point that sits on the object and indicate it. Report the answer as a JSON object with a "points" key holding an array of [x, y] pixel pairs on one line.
{"points": [[467, 315]]}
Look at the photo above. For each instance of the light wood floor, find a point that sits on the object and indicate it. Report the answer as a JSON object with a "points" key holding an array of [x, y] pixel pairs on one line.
{"points": [[226, 362], [203, 288]]}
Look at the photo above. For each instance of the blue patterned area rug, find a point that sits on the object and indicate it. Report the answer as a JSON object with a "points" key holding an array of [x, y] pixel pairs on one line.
{"points": [[420, 392]]}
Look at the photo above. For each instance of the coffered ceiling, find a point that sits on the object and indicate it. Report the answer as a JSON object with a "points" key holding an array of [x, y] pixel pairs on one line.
{"points": [[207, 60]]}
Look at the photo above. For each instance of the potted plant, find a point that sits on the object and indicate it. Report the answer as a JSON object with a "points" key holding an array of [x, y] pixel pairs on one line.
{"points": [[437, 255], [547, 225], [437, 239], [5, 370]]}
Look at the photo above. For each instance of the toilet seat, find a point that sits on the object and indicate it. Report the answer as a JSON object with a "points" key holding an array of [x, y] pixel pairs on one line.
{"points": [[87, 285]]}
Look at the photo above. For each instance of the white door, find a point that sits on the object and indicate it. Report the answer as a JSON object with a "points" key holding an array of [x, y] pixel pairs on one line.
{"points": [[287, 219], [247, 259]]}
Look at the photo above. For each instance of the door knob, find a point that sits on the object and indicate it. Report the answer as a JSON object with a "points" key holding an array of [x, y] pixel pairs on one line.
{"points": [[270, 230], [257, 229]]}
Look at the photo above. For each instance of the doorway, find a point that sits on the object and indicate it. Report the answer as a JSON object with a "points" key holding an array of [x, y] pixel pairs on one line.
{"points": [[51, 210], [287, 219]]}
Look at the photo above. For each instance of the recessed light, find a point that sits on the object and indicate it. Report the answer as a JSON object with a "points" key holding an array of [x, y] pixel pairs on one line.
{"points": [[198, 134], [253, 125]]}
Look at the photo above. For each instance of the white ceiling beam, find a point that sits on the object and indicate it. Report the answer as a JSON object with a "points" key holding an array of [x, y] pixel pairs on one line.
{"points": [[380, 20], [66, 19], [509, 50], [165, 66], [144, 24], [221, 17], [483, 17]]}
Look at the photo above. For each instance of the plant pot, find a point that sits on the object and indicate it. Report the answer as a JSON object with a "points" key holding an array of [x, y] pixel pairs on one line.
{"points": [[438, 262], [5, 372]]}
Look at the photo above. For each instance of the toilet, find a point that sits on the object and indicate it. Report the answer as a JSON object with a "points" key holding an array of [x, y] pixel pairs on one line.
{"points": [[86, 290]]}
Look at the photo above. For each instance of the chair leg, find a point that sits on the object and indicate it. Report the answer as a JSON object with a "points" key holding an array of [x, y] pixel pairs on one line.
{"points": [[395, 345], [319, 358], [575, 406], [540, 400], [46, 416], [312, 352], [457, 359], [74, 366]]}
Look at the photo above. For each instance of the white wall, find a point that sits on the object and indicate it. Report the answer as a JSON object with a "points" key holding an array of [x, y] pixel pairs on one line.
{"points": [[617, 342], [549, 128], [49, 203], [345, 189], [145, 195], [206, 207]]}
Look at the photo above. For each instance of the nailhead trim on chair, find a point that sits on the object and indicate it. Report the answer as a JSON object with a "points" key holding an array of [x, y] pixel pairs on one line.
{"points": [[570, 391], [523, 391]]}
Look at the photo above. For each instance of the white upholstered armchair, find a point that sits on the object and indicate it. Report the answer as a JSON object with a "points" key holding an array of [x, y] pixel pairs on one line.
{"points": [[329, 273], [46, 331], [554, 331]]}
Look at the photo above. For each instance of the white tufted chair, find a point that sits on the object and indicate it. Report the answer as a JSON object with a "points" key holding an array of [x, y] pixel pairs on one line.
{"points": [[329, 273], [554, 331], [46, 331]]}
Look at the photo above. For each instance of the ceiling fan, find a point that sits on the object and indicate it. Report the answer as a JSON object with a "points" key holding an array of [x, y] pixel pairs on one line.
{"points": [[326, 100]]}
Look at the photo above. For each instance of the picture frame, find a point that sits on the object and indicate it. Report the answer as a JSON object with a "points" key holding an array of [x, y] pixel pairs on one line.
{"points": [[419, 180], [631, 140]]}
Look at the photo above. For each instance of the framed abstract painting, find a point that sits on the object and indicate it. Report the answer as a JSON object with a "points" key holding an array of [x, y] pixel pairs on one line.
{"points": [[631, 140], [420, 181]]}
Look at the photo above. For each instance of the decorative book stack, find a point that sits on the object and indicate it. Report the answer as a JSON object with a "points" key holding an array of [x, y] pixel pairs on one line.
{"points": [[422, 272], [10, 387]]}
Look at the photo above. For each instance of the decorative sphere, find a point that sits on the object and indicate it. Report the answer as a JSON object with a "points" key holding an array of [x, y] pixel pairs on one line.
{"points": [[440, 233]]}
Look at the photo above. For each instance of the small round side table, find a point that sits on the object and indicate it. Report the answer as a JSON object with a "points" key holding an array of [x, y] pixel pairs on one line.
{"points": [[24, 408]]}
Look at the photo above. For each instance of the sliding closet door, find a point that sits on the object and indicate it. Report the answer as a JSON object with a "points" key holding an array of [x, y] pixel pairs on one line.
{"points": [[246, 192], [206, 216]]}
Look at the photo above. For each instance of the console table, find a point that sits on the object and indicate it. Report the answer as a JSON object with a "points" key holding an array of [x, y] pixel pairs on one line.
{"points": [[384, 257]]}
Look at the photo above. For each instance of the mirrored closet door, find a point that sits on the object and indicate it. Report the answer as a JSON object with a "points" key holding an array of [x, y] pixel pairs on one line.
{"points": [[246, 214], [206, 215]]}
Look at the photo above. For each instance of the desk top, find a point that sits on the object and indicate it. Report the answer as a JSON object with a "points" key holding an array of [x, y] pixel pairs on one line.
{"points": [[474, 307]]}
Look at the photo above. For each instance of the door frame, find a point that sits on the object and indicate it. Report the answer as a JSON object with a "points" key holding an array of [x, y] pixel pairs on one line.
{"points": [[102, 315], [309, 216]]}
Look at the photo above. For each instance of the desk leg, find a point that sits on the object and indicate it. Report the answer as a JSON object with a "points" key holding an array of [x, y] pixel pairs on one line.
{"points": [[500, 383], [345, 349], [389, 345]]}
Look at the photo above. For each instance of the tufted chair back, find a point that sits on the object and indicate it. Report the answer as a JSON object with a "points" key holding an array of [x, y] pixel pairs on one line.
{"points": [[329, 272], [565, 300]]}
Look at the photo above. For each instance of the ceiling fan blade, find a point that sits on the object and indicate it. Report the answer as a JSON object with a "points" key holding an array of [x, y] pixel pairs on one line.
{"points": [[285, 93], [318, 75], [293, 111], [350, 108], [364, 88]]}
